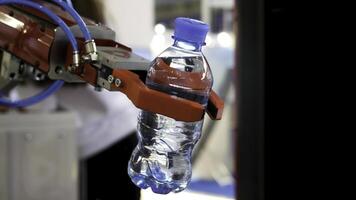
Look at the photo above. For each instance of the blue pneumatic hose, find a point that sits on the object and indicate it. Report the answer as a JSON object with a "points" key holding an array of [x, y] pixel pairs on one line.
{"points": [[34, 99], [69, 2], [57, 84], [68, 7]]}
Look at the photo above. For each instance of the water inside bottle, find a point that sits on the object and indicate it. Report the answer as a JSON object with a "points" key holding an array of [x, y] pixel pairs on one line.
{"points": [[162, 159]]}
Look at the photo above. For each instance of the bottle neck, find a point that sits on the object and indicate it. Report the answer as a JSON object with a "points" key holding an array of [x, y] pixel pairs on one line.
{"points": [[187, 45]]}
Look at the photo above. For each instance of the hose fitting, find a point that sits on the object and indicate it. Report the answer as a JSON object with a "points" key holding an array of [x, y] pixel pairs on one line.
{"points": [[90, 50], [76, 62]]}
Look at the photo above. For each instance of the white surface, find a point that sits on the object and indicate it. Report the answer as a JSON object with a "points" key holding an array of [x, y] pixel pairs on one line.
{"points": [[104, 117], [3, 167], [41, 156], [185, 195], [131, 20]]}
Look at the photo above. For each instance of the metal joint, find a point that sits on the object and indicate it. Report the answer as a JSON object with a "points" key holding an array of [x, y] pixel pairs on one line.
{"points": [[90, 50], [76, 59], [76, 62]]}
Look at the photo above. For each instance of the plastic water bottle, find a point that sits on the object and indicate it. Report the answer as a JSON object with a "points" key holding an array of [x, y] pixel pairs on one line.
{"points": [[162, 158]]}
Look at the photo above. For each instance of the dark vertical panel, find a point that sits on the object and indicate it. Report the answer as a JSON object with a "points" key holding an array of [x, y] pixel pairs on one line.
{"points": [[90, 8], [250, 93]]}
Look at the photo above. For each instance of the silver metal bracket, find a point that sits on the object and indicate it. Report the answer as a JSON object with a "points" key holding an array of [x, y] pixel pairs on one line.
{"points": [[111, 58], [11, 71], [119, 58], [57, 70], [10, 67]]}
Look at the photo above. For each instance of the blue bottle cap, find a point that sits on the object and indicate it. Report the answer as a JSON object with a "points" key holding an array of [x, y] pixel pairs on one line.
{"points": [[190, 30]]}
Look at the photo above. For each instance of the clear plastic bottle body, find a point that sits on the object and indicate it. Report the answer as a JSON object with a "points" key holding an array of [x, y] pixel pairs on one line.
{"points": [[162, 158]]}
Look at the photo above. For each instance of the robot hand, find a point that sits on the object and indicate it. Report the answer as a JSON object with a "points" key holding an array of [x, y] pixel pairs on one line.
{"points": [[31, 45]]}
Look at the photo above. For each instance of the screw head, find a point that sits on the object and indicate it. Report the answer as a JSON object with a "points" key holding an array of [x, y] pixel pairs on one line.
{"points": [[59, 70], [110, 79], [117, 82]]}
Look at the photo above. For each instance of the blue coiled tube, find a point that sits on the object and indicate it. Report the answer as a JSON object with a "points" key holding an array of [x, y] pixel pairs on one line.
{"points": [[57, 84], [69, 2], [34, 99]]}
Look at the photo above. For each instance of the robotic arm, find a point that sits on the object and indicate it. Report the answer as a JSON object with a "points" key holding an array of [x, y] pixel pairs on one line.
{"points": [[32, 44]]}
